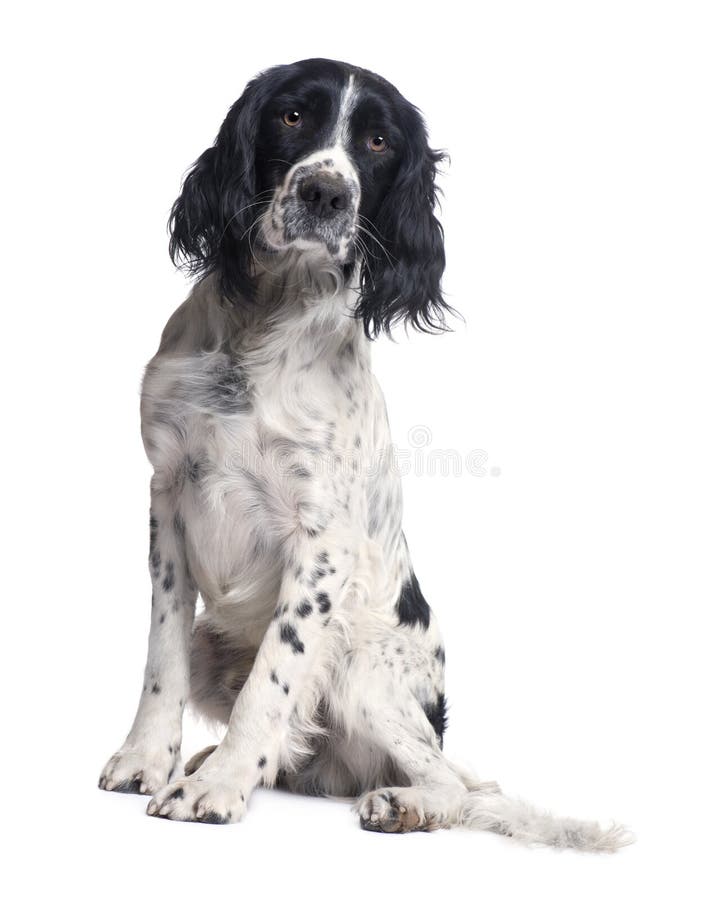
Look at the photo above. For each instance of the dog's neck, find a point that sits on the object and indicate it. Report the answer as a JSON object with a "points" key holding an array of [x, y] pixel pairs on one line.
{"points": [[295, 277], [302, 311]]}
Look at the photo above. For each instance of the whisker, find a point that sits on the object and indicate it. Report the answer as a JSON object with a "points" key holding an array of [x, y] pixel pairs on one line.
{"points": [[366, 259], [255, 202], [391, 259], [371, 223]]}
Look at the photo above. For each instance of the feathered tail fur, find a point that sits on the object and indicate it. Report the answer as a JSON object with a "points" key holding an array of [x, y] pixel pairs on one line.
{"points": [[488, 809]]}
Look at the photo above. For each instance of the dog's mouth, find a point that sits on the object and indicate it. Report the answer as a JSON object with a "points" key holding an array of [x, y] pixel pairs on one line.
{"points": [[316, 208]]}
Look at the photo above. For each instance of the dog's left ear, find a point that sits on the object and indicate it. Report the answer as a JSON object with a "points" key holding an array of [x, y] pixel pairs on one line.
{"points": [[401, 276]]}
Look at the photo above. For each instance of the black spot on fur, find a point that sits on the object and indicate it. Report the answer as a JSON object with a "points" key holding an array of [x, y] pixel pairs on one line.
{"points": [[440, 655], [273, 678], [162, 618], [153, 533], [228, 391], [286, 688], [437, 714], [179, 526], [304, 609], [155, 688], [289, 635], [193, 469], [412, 608], [177, 795], [323, 602], [347, 349], [168, 582], [262, 762], [316, 575]]}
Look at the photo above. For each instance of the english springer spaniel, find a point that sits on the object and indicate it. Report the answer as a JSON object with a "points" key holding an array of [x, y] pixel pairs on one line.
{"points": [[311, 226]]}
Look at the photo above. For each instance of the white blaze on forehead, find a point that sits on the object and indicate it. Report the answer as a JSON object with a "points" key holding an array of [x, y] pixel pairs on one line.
{"points": [[334, 158], [341, 133]]}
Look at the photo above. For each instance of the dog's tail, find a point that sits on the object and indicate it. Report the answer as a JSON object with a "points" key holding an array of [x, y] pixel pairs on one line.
{"points": [[486, 808]]}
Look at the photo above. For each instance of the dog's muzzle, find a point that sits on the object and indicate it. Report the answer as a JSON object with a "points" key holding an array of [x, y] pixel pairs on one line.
{"points": [[317, 205]]}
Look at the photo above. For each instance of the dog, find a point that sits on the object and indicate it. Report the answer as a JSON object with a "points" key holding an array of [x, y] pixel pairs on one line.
{"points": [[310, 226]]}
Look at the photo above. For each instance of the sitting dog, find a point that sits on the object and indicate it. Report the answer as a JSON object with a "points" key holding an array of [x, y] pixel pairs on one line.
{"points": [[311, 226]]}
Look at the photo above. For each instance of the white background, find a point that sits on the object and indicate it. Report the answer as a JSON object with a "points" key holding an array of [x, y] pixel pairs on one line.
{"points": [[580, 589]]}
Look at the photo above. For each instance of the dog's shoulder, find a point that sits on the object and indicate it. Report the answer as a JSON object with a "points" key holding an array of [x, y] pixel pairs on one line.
{"points": [[200, 325]]}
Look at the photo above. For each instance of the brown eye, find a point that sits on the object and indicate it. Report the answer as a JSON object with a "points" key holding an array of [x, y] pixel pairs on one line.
{"points": [[377, 144], [292, 118]]}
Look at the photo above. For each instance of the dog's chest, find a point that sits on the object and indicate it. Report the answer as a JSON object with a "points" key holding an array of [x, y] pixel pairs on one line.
{"points": [[248, 453]]}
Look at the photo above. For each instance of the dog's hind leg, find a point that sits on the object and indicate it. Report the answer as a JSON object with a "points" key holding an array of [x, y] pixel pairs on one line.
{"points": [[431, 791]]}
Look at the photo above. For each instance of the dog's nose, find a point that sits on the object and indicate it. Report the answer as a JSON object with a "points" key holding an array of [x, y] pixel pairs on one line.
{"points": [[324, 195]]}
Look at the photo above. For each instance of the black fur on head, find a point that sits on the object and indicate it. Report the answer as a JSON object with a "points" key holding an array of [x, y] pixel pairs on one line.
{"points": [[244, 198]]}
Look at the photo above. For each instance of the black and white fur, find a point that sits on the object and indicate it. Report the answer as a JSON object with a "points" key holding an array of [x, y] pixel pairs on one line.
{"points": [[311, 225]]}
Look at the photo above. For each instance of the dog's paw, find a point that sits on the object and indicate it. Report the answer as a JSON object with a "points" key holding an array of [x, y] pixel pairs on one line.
{"points": [[134, 770], [394, 811], [200, 798]]}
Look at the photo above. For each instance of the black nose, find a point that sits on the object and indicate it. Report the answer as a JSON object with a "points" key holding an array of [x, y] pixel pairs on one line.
{"points": [[324, 195]]}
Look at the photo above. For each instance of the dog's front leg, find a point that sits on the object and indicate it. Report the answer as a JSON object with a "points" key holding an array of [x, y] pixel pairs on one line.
{"points": [[314, 579], [150, 754]]}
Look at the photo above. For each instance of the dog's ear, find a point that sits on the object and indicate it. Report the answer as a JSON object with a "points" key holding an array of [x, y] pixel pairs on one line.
{"points": [[212, 220], [401, 275]]}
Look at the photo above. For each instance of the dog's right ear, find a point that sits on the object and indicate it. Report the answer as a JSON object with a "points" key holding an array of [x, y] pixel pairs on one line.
{"points": [[212, 221], [195, 223]]}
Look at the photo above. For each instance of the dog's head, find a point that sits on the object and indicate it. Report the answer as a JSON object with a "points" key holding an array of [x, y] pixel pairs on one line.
{"points": [[326, 162]]}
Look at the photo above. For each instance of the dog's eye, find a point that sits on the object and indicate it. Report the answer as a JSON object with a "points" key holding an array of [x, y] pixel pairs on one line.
{"points": [[292, 118], [377, 144]]}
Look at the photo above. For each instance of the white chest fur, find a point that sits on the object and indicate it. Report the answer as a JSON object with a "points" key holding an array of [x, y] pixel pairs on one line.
{"points": [[254, 434]]}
